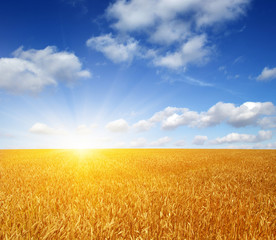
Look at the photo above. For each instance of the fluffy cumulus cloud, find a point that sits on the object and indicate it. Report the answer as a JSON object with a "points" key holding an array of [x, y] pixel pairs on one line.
{"points": [[267, 122], [200, 140], [267, 74], [117, 50], [193, 50], [116, 126], [180, 143], [160, 142], [43, 129], [167, 112], [136, 15], [181, 117], [248, 113], [177, 30], [143, 125], [32, 70], [246, 138]]}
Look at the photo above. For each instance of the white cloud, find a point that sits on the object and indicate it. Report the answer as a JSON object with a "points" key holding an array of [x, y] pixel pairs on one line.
{"points": [[41, 128], [267, 122], [246, 114], [186, 117], [137, 15], [119, 125], [213, 11], [180, 143], [169, 32], [32, 70], [237, 137], [215, 115], [117, 50], [140, 142], [179, 28], [267, 74], [132, 15], [200, 140], [160, 142], [143, 125], [168, 111], [192, 51]]}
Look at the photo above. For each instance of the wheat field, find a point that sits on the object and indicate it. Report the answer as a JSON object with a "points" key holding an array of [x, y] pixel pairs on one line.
{"points": [[138, 194]]}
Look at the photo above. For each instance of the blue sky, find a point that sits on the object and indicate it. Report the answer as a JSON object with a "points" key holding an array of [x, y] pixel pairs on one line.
{"points": [[137, 73]]}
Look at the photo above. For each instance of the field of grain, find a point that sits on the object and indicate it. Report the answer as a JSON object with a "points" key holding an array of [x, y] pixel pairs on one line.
{"points": [[137, 194]]}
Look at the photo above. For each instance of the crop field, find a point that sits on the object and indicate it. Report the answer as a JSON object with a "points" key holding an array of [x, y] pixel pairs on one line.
{"points": [[138, 194]]}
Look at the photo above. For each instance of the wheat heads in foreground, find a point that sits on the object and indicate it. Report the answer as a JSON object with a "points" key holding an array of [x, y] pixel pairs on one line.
{"points": [[137, 194]]}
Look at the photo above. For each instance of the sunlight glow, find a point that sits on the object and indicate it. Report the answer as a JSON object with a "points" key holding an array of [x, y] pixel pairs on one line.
{"points": [[79, 142]]}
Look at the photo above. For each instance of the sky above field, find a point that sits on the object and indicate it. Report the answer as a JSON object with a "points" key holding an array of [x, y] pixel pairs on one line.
{"points": [[138, 73]]}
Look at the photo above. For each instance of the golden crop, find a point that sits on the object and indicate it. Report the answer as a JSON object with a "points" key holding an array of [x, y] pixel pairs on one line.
{"points": [[138, 194]]}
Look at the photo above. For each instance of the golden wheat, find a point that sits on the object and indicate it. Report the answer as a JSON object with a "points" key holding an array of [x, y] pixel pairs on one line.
{"points": [[137, 194]]}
